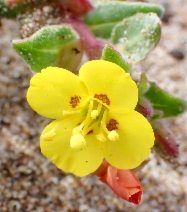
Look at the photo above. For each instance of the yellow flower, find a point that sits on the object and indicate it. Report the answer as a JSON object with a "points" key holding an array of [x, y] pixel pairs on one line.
{"points": [[95, 118]]}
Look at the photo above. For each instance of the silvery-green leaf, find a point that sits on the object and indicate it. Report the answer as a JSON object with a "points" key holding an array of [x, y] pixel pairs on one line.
{"points": [[57, 45], [102, 20], [136, 36]]}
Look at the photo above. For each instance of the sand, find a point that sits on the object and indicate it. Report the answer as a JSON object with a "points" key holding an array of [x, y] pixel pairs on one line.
{"points": [[31, 183]]}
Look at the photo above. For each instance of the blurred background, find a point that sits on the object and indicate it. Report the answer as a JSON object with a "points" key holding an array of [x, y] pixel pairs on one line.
{"points": [[31, 183]]}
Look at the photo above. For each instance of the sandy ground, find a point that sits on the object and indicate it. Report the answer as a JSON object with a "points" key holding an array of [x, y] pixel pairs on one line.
{"points": [[30, 183]]}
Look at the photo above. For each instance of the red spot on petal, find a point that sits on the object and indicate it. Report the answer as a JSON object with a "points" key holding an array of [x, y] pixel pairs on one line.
{"points": [[74, 101], [90, 132], [112, 125], [103, 98]]}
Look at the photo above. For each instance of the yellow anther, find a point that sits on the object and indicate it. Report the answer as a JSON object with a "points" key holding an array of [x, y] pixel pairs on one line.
{"points": [[94, 114], [101, 137], [77, 141], [49, 135], [113, 135]]}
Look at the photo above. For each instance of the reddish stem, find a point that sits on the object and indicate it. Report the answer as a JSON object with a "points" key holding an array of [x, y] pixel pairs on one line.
{"points": [[92, 46]]}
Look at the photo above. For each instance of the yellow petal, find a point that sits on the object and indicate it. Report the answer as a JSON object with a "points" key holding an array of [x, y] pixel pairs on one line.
{"points": [[55, 90], [109, 83], [55, 145], [136, 137]]}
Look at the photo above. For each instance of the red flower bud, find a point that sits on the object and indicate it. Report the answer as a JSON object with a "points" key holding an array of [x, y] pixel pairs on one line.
{"points": [[166, 140], [144, 107], [123, 182]]}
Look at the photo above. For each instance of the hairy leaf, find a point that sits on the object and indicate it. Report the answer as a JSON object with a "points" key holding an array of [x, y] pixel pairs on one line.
{"points": [[103, 19], [57, 45], [110, 54], [165, 102], [137, 36]]}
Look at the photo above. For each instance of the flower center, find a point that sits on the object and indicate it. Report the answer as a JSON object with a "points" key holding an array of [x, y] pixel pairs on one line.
{"points": [[95, 116]]}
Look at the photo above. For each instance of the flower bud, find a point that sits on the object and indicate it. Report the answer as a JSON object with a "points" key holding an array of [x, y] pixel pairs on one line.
{"points": [[123, 182]]}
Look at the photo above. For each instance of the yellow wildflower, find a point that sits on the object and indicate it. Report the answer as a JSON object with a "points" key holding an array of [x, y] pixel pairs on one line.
{"points": [[95, 117]]}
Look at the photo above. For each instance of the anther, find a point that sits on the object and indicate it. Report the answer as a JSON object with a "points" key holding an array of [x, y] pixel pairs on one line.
{"points": [[77, 141], [94, 114], [49, 135], [113, 135]]}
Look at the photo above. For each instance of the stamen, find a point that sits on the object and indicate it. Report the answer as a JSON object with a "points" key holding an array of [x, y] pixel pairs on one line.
{"points": [[77, 141], [88, 119], [101, 137], [103, 124], [113, 135], [49, 135], [95, 113], [91, 127]]}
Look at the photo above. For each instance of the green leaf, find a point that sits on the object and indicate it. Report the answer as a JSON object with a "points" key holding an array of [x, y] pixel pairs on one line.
{"points": [[165, 102], [57, 45], [137, 36], [142, 84], [102, 20], [113, 56]]}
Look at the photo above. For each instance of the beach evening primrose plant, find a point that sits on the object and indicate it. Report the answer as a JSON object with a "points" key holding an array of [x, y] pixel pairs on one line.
{"points": [[94, 118]]}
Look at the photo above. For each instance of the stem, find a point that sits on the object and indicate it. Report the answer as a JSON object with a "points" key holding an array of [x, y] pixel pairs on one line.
{"points": [[92, 46]]}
